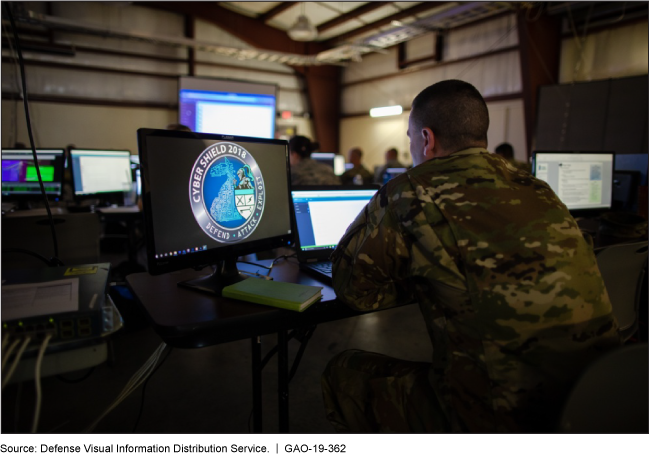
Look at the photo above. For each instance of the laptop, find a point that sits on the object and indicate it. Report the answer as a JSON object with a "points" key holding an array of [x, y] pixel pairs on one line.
{"points": [[322, 214]]}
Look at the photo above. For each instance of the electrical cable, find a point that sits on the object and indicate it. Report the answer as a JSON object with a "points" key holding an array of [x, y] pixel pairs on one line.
{"points": [[7, 355], [37, 380], [54, 262], [136, 380], [14, 365], [29, 128], [5, 340], [144, 389]]}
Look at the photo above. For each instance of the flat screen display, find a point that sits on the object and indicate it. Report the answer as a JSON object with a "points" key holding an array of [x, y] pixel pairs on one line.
{"points": [[212, 197], [582, 180], [101, 171], [19, 177], [227, 107]]}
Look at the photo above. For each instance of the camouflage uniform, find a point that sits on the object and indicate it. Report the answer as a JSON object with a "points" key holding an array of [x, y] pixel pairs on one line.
{"points": [[510, 292], [349, 175], [309, 172]]}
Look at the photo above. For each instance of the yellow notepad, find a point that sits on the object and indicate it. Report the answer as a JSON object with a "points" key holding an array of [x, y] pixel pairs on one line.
{"points": [[286, 295]]}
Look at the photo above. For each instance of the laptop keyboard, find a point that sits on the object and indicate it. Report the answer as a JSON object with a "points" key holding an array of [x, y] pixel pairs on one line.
{"points": [[323, 267]]}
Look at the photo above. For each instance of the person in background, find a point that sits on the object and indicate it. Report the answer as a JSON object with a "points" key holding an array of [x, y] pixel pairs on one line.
{"points": [[506, 151], [358, 174], [178, 127], [391, 162], [508, 288], [306, 171]]}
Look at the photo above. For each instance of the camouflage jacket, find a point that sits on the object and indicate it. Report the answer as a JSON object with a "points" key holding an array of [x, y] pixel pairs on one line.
{"points": [[509, 290], [309, 172]]}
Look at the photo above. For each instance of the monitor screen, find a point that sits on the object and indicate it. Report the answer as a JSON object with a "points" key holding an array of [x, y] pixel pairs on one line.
{"points": [[208, 199], [19, 177], [227, 107], [323, 215], [390, 173], [331, 159], [581, 180], [99, 171]]}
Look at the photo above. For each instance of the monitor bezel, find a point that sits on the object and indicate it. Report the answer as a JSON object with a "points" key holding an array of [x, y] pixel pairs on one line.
{"points": [[581, 211], [214, 255], [12, 197]]}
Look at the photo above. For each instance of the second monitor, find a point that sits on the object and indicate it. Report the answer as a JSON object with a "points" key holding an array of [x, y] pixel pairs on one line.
{"points": [[101, 173]]}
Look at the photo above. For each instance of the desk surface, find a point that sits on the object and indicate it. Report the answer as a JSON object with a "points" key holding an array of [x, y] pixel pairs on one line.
{"points": [[188, 318]]}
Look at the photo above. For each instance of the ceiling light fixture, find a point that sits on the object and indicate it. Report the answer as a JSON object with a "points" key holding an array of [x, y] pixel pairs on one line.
{"points": [[302, 29], [386, 111]]}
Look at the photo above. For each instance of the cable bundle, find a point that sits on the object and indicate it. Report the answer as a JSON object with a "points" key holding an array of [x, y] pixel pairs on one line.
{"points": [[136, 380]]}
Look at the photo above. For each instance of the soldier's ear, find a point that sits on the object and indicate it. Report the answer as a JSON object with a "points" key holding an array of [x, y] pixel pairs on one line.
{"points": [[429, 143]]}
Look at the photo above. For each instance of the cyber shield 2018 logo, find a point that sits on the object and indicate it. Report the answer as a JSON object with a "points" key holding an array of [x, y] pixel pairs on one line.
{"points": [[227, 192]]}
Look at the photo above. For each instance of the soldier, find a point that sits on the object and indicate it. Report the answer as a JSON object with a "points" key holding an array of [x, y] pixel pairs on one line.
{"points": [[391, 162], [508, 288], [304, 169], [358, 174], [506, 151]]}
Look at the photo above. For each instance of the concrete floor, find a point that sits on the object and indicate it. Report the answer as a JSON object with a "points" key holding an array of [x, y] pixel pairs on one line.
{"points": [[206, 390]]}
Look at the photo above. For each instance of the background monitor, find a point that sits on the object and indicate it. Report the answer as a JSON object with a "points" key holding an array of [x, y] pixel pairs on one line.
{"points": [[101, 172], [222, 197], [227, 107], [19, 177], [390, 173], [331, 159], [582, 180]]}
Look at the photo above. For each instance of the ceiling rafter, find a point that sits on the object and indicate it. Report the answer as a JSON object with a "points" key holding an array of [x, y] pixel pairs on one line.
{"points": [[251, 30], [353, 14], [417, 9], [276, 10]]}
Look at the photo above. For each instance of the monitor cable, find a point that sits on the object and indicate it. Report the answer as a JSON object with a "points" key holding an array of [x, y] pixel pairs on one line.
{"points": [[29, 127]]}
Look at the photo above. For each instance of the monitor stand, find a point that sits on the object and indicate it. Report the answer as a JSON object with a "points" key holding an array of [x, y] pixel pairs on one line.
{"points": [[225, 274]]}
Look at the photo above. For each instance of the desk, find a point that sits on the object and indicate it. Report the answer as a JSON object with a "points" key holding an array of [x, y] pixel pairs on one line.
{"points": [[190, 319]]}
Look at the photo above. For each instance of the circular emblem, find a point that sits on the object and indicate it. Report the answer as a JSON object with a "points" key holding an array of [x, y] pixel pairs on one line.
{"points": [[227, 192]]}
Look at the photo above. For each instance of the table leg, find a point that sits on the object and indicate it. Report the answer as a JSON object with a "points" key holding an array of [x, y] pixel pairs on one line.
{"points": [[283, 381], [256, 345]]}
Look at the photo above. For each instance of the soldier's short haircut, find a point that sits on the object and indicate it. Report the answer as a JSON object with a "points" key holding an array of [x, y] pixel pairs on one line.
{"points": [[456, 113]]}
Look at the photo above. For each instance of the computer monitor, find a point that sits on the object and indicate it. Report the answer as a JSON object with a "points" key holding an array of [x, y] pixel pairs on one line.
{"points": [[391, 173], [582, 180], [208, 199], [331, 159], [101, 173], [19, 177], [229, 107]]}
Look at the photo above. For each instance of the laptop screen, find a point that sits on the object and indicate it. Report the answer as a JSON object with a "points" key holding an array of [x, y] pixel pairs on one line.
{"points": [[323, 216]]}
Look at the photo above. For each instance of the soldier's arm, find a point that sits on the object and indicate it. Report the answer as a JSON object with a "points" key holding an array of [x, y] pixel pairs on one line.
{"points": [[371, 262]]}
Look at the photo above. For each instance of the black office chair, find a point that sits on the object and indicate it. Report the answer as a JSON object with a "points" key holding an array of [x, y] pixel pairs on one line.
{"points": [[611, 396], [624, 267]]}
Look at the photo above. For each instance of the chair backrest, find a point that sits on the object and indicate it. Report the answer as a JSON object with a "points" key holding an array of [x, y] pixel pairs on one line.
{"points": [[611, 395], [77, 234], [623, 268]]}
